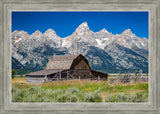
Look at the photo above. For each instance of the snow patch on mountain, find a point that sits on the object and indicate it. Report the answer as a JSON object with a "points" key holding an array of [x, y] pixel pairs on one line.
{"points": [[100, 44]]}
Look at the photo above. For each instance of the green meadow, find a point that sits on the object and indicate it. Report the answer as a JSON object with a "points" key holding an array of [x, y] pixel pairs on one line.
{"points": [[79, 91]]}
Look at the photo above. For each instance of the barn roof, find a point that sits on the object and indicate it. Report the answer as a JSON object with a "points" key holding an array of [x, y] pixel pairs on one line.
{"points": [[43, 72], [61, 61], [94, 71]]}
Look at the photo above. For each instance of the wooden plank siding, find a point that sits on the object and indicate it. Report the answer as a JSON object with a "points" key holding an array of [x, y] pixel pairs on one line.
{"points": [[80, 68], [80, 63], [35, 80], [99, 75]]}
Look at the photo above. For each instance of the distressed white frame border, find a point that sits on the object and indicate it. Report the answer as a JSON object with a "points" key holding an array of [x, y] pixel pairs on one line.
{"points": [[7, 6]]}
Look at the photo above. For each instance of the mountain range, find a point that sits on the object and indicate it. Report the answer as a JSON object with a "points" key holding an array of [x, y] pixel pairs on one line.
{"points": [[105, 51]]}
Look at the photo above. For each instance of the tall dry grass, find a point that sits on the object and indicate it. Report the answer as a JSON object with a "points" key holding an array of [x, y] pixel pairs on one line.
{"points": [[18, 80], [106, 89]]}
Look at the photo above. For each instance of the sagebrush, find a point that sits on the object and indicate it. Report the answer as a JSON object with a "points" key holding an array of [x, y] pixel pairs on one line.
{"points": [[78, 91]]}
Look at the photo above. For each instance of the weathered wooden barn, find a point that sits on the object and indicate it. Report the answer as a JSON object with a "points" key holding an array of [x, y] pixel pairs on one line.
{"points": [[65, 67]]}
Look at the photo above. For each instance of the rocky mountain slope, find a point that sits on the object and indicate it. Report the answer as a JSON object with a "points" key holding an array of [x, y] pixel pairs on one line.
{"points": [[105, 51]]}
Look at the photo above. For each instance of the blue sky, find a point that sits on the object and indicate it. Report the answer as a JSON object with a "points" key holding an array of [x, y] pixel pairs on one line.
{"points": [[65, 23]]}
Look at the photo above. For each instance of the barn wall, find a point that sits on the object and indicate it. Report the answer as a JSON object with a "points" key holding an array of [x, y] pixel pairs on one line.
{"points": [[99, 75], [80, 63], [80, 72], [80, 68], [35, 79]]}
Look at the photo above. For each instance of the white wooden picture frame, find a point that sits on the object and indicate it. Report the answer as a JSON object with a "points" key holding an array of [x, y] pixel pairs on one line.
{"points": [[151, 107]]}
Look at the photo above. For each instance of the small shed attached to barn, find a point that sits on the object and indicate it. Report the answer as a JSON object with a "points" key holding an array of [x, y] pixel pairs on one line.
{"points": [[65, 67]]}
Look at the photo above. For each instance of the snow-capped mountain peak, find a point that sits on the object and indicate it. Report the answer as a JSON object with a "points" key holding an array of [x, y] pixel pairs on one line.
{"points": [[83, 25], [21, 32], [15, 31], [103, 31], [37, 32], [82, 28], [127, 32], [18, 36], [50, 33]]}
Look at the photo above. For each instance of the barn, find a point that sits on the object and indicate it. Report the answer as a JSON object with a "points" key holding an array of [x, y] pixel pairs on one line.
{"points": [[65, 67]]}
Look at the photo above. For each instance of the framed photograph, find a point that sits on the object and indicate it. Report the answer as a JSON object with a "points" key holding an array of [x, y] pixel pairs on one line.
{"points": [[80, 56]]}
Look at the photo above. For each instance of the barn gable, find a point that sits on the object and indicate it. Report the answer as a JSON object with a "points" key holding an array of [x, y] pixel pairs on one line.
{"points": [[80, 63]]}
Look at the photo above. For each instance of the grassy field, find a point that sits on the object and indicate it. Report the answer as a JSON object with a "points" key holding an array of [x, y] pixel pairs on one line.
{"points": [[79, 91]]}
